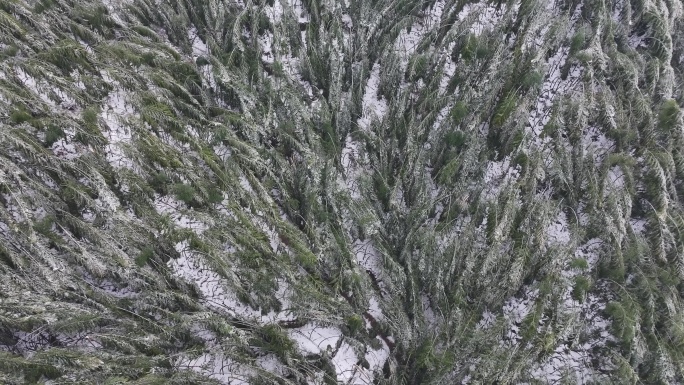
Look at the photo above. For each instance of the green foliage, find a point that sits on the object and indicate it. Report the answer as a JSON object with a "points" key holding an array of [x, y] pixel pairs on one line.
{"points": [[53, 134], [274, 340], [455, 139], [160, 182], [579, 263], [470, 47], [89, 132], [504, 110], [668, 116], [264, 156], [355, 323], [459, 112], [419, 67], [19, 116], [183, 192], [532, 79], [144, 256], [580, 288], [44, 226], [214, 195], [577, 42], [623, 318]]}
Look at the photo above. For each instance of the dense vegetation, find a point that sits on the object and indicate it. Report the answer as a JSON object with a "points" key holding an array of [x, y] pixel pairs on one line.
{"points": [[323, 191]]}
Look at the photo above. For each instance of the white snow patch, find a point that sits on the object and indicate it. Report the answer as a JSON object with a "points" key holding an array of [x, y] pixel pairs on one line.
{"points": [[199, 48], [481, 16], [217, 366], [166, 204], [350, 159], [314, 339], [428, 312], [271, 364], [368, 258], [376, 357], [374, 309], [499, 174], [373, 108], [595, 143], [558, 232], [65, 149], [115, 112], [34, 86], [222, 152], [638, 225], [215, 290], [553, 86], [408, 40], [346, 369], [448, 71], [515, 310], [636, 41], [274, 12], [488, 319], [244, 183], [266, 42]]}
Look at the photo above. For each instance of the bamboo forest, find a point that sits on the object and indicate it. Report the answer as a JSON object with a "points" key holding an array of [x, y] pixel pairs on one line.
{"points": [[356, 192]]}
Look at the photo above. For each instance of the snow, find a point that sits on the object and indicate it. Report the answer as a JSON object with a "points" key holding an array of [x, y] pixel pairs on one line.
{"points": [[222, 152], [449, 69], [368, 258], [216, 366], [374, 309], [30, 343], [590, 252], [45, 91], [596, 144], [515, 310], [552, 87], [408, 40], [266, 41], [345, 366], [65, 149], [481, 16], [33, 85], [314, 339], [270, 232], [352, 171], [115, 112], [166, 204], [636, 41], [570, 356], [215, 290], [291, 66], [488, 319], [299, 11], [615, 178], [347, 20], [274, 12], [638, 225], [373, 108], [577, 360], [498, 175], [271, 364], [428, 312], [377, 357], [558, 232], [199, 48], [244, 183], [110, 288]]}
